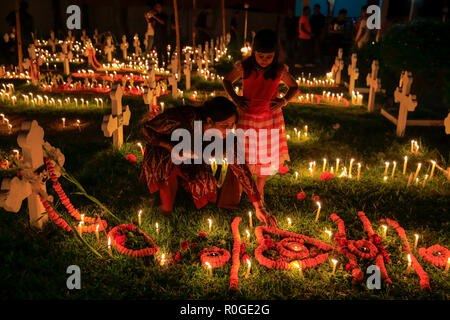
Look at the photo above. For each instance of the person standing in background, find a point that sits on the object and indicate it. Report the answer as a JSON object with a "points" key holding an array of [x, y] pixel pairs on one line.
{"points": [[305, 36], [317, 22], [202, 26], [337, 33], [159, 19], [150, 34], [363, 33], [290, 25]]}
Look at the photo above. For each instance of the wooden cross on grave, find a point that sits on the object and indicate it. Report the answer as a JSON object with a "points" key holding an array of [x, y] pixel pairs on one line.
{"points": [[149, 97], [137, 45], [353, 72], [124, 47], [338, 66], [407, 101], [187, 71], [173, 82], [31, 184], [65, 56], [113, 123], [52, 41], [374, 83], [32, 63], [109, 48]]}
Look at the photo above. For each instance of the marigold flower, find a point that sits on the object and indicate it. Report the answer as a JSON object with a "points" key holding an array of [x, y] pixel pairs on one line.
{"points": [[131, 158], [301, 196]]}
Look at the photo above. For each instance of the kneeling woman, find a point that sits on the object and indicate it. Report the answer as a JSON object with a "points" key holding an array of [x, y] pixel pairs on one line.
{"points": [[160, 172]]}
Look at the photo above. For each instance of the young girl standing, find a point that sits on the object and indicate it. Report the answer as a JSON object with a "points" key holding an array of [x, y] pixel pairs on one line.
{"points": [[259, 107]]}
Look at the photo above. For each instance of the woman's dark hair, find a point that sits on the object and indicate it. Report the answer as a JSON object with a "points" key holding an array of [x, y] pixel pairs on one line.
{"points": [[266, 41], [218, 109]]}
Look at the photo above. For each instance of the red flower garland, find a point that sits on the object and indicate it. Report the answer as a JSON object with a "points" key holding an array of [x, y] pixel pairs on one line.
{"points": [[68, 205], [118, 241], [284, 251], [424, 279], [215, 257], [440, 260], [281, 263], [234, 273]]}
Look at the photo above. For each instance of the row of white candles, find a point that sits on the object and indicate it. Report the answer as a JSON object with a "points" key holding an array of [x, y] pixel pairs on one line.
{"points": [[6, 121], [39, 100], [332, 98], [344, 173], [357, 98], [411, 177], [315, 82]]}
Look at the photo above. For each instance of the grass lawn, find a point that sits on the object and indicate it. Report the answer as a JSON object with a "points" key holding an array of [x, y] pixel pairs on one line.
{"points": [[34, 263]]}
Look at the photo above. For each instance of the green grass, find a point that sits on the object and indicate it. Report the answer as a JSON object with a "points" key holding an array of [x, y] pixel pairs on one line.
{"points": [[32, 261]]}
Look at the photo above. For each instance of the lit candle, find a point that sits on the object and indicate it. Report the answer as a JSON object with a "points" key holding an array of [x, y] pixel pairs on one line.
{"points": [[297, 264], [296, 175], [412, 146], [210, 224], [97, 235], [386, 168], [334, 261], [139, 217], [408, 269], [359, 170], [248, 234], [329, 233], [318, 211], [419, 165], [424, 180], [140, 146], [384, 230], [250, 219], [404, 165], [209, 267], [289, 222], [416, 240], [162, 106], [393, 169], [109, 246], [410, 179], [385, 178], [249, 266], [101, 102], [163, 259], [157, 229], [325, 164], [432, 168], [80, 228], [337, 165], [350, 169], [447, 267], [63, 122]]}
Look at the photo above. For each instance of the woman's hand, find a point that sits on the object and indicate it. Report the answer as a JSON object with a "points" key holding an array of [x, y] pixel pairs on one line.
{"points": [[241, 102], [278, 103], [265, 217]]}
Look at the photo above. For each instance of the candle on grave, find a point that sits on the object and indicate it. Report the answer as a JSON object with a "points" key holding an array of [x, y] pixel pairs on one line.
{"points": [[409, 179], [210, 224], [157, 229], [332, 169], [416, 144], [386, 168], [63, 122], [393, 169], [447, 267], [350, 168], [78, 124], [384, 230], [248, 234], [139, 217], [101, 102], [109, 246], [209, 267], [250, 219], [162, 106], [404, 164], [385, 178], [76, 102], [318, 211], [329, 233], [359, 170], [416, 240], [163, 259], [289, 222], [249, 266], [334, 261], [424, 180], [80, 228], [324, 164], [97, 235], [432, 168], [408, 269], [140, 146], [419, 165], [337, 165]]}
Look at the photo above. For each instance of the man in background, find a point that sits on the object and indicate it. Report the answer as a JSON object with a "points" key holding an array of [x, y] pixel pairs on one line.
{"points": [[305, 35], [363, 33], [317, 22], [160, 20]]}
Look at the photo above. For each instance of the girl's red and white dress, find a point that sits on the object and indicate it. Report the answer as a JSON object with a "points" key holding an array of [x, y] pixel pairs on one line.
{"points": [[258, 115]]}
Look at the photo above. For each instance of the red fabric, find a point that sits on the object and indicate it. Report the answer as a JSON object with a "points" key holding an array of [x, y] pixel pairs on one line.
{"points": [[304, 20], [261, 92]]}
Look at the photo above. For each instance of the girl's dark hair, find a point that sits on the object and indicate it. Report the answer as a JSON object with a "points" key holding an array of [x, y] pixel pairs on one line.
{"points": [[218, 109], [266, 41]]}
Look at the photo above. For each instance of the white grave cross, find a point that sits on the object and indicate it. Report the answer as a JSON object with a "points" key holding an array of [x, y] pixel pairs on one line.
{"points": [[65, 56], [338, 66], [113, 123], [407, 101], [353, 72], [124, 47], [374, 83], [109, 48]]}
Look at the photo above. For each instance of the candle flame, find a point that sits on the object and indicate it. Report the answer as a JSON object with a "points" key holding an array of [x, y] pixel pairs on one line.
{"points": [[109, 241], [318, 204], [409, 258], [210, 222], [334, 261], [156, 225], [208, 265]]}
